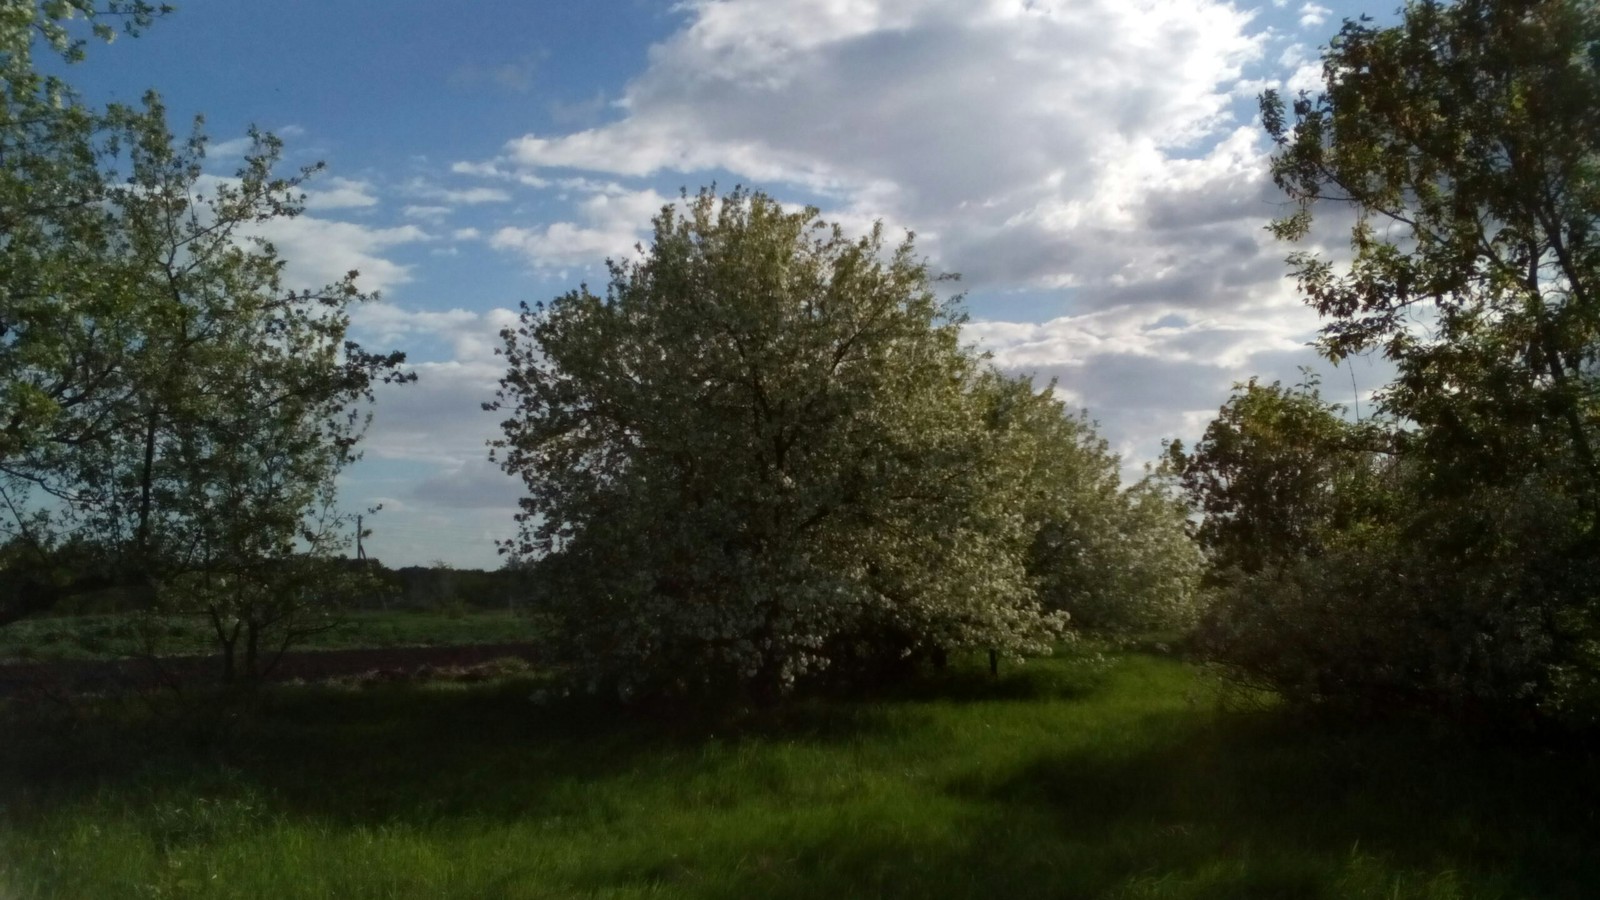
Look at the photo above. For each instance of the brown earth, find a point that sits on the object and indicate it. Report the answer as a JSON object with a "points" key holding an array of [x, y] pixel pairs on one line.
{"points": [[134, 675]]}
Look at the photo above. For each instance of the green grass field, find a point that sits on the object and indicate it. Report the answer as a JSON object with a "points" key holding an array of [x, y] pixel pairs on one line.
{"points": [[1063, 778], [115, 636]]}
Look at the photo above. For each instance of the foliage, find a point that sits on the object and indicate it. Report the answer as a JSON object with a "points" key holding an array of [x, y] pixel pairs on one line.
{"points": [[1115, 559], [1458, 571], [1341, 577], [246, 406], [1149, 568], [66, 305], [174, 403], [1464, 140], [55, 177], [1462, 609], [764, 454], [1274, 474]]}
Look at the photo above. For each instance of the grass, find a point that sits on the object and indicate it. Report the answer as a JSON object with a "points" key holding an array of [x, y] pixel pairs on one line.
{"points": [[1061, 779], [120, 635]]}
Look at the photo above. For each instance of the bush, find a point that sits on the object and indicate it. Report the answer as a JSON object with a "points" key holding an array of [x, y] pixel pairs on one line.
{"points": [[1404, 588]]}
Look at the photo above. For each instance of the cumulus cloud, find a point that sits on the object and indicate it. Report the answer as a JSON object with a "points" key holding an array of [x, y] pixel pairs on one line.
{"points": [[1092, 150], [340, 193], [612, 223], [1304, 68], [492, 169], [320, 251], [1096, 154], [477, 485], [466, 337], [317, 251], [1313, 14], [427, 213], [1152, 373], [229, 149], [471, 196], [1020, 139], [449, 502], [440, 418]]}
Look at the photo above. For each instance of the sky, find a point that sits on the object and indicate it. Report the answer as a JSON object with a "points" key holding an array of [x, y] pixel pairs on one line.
{"points": [[1094, 169]]}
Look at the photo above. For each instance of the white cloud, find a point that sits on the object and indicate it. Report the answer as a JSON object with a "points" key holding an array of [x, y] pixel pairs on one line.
{"points": [[427, 213], [455, 196], [1304, 68], [440, 418], [340, 193], [476, 485], [320, 251], [229, 149], [612, 224], [450, 502], [1313, 14], [1092, 153], [1022, 141], [492, 169], [1092, 150], [1306, 79], [472, 337], [1151, 373]]}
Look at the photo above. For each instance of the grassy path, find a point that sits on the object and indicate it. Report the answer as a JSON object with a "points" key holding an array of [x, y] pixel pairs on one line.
{"points": [[1062, 779]]}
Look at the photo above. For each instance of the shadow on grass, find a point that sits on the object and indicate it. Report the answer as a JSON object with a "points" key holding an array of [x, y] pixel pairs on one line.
{"points": [[422, 753], [1159, 800], [1071, 676], [1296, 804], [1248, 806]]}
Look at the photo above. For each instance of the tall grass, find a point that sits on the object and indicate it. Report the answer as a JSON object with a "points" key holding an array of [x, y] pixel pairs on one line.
{"points": [[1060, 779]]}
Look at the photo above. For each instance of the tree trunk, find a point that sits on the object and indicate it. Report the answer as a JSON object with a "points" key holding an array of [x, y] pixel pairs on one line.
{"points": [[252, 650], [146, 483]]}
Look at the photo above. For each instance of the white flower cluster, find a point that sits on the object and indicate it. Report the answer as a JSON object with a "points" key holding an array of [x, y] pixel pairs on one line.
{"points": [[765, 456]]}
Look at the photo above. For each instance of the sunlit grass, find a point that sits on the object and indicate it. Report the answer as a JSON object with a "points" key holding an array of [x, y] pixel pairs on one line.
{"points": [[1060, 779]]}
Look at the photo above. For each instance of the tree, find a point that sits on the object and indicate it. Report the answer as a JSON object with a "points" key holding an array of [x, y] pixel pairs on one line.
{"points": [[66, 308], [1296, 520], [764, 455], [1464, 140], [1149, 568], [241, 402], [1274, 473], [1115, 559], [183, 409]]}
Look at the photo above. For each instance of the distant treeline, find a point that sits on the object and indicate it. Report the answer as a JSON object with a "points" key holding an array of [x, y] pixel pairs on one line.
{"points": [[76, 588], [443, 587]]}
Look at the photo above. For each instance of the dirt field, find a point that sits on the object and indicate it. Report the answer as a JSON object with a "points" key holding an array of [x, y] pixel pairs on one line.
{"points": [[318, 665]]}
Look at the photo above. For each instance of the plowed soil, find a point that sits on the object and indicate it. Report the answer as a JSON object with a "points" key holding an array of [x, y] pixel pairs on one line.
{"points": [[320, 665]]}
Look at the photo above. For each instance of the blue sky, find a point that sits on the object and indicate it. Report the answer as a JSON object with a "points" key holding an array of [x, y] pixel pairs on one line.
{"points": [[1093, 168]]}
